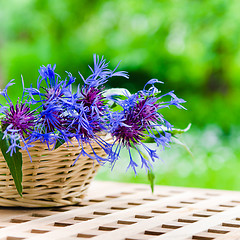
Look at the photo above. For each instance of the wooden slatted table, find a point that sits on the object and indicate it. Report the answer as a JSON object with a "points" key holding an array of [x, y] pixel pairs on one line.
{"points": [[131, 212]]}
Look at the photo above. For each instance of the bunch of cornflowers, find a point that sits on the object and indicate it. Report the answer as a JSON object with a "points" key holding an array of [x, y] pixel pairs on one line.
{"points": [[54, 113]]}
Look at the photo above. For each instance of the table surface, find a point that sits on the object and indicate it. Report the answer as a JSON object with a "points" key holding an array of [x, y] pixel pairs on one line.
{"points": [[130, 212]]}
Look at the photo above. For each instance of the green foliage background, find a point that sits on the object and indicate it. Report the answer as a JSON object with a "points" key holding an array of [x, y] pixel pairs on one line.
{"points": [[192, 46]]}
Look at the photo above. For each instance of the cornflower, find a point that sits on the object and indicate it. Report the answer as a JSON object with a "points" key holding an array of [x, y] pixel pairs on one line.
{"points": [[20, 117], [51, 95], [140, 119], [18, 121], [90, 108]]}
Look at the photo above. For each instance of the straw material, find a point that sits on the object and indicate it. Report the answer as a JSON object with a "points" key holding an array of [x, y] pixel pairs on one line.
{"points": [[50, 179]]}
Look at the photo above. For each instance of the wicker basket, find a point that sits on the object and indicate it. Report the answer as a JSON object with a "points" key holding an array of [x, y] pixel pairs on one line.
{"points": [[50, 179]]}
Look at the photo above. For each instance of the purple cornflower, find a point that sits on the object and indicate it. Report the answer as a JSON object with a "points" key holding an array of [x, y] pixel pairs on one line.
{"points": [[52, 97], [93, 101], [130, 130], [87, 120], [89, 116], [146, 109], [17, 123], [20, 117], [91, 96], [140, 119], [51, 118]]}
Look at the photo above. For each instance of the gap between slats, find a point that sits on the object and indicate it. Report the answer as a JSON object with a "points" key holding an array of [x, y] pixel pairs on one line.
{"points": [[21, 227], [83, 226], [159, 220], [201, 225]]}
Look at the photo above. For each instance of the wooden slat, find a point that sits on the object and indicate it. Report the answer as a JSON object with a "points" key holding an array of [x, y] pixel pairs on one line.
{"points": [[157, 221], [233, 235], [68, 214], [131, 212], [202, 225], [74, 229]]}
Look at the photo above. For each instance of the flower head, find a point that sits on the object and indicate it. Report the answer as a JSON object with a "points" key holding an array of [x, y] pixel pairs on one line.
{"points": [[128, 130], [140, 119], [17, 123], [51, 118], [20, 117]]}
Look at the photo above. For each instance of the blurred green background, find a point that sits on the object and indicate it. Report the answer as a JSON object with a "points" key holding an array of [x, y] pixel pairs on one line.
{"points": [[192, 46]]}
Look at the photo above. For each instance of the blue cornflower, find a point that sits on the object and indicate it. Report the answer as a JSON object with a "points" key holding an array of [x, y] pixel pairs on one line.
{"points": [[80, 124], [58, 90], [18, 121], [51, 118], [49, 88], [52, 98], [89, 108], [101, 73], [129, 131], [140, 119], [48, 74], [20, 117], [5, 94], [90, 95], [93, 101], [86, 122]]}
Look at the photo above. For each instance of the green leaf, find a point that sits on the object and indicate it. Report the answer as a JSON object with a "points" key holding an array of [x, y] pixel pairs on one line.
{"points": [[149, 140], [151, 178], [116, 93], [59, 143], [14, 162], [173, 132], [178, 131]]}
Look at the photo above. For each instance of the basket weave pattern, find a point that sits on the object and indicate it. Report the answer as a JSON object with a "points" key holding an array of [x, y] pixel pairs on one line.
{"points": [[50, 179]]}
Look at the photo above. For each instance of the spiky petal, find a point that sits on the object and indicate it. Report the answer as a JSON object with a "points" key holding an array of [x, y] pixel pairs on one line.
{"points": [[20, 117], [140, 119]]}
